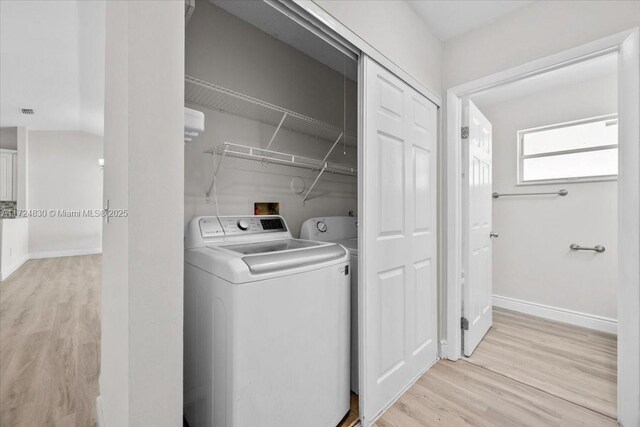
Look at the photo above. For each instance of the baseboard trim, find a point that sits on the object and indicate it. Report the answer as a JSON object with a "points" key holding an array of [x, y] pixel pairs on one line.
{"points": [[443, 350], [71, 252], [12, 268], [99, 413], [591, 321]]}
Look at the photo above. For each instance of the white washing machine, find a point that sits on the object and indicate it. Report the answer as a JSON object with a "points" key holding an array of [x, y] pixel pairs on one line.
{"points": [[342, 230], [266, 326]]}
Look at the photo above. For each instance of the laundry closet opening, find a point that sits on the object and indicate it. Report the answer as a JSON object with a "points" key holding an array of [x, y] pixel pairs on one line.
{"points": [[280, 110]]}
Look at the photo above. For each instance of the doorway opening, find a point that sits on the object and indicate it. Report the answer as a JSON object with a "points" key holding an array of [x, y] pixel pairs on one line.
{"points": [[533, 137]]}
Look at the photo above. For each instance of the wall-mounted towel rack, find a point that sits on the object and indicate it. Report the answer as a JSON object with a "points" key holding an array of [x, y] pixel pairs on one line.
{"points": [[577, 247], [562, 192]]}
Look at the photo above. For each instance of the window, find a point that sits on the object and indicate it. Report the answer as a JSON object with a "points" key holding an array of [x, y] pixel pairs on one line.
{"points": [[584, 150]]}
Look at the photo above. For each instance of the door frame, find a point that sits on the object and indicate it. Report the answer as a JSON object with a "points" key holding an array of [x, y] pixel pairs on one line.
{"points": [[627, 44]]}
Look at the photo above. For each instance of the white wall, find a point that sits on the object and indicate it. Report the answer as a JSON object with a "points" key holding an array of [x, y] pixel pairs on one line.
{"points": [[63, 174], [532, 32], [142, 283], [396, 31], [14, 245], [225, 50], [531, 258]]}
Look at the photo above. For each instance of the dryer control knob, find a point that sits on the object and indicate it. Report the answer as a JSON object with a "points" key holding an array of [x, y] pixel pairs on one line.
{"points": [[321, 226], [243, 224]]}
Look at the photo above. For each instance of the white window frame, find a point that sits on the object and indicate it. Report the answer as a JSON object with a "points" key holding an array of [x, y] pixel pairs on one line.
{"points": [[522, 157]]}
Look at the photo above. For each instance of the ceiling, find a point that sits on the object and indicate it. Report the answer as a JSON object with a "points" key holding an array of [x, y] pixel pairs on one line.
{"points": [[52, 60], [452, 18], [598, 67]]}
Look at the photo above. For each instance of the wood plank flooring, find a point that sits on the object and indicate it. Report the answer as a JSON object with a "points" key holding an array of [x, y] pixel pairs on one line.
{"points": [[526, 372], [572, 363], [50, 342]]}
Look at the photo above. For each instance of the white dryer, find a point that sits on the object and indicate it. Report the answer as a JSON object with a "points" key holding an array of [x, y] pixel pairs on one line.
{"points": [[266, 326], [344, 231]]}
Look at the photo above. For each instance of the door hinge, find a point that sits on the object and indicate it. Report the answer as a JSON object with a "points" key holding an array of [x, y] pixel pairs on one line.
{"points": [[464, 132], [464, 324]]}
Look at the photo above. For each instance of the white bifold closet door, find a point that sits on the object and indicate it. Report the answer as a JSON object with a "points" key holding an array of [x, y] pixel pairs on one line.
{"points": [[477, 288], [398, 308]]}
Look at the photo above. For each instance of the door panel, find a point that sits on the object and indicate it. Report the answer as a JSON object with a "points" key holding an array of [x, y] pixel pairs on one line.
{"points": [[477, 289], [391, 303], [422, 191], [425, 294], [391, 186], [398, 315]]}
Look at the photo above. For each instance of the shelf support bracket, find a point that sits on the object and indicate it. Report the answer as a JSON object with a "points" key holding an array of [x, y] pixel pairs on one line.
{"points": [[215, 173], [324, 167], [313, 185], [273, 137]]}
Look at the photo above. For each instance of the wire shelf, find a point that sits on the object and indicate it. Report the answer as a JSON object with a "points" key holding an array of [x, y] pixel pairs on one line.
{"points": [[213, 96], [286, 159]]}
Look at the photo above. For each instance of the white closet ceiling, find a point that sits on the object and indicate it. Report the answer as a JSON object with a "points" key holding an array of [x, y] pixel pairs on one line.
{"points": [[452, 18], [268, 19], [599, 67], [52, 60]]}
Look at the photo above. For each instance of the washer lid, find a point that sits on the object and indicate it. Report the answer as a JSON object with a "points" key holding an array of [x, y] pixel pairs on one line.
{"points": [[350, 244], [278, 255], [270, 246]]}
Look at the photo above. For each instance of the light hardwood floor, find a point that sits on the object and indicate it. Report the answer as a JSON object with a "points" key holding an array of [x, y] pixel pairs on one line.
{"points": [[50, 343], [575, 364], [526, 372]]}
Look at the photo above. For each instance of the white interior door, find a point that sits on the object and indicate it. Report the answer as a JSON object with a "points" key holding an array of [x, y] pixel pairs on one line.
{"points": [[398, 310], [477, 285]]}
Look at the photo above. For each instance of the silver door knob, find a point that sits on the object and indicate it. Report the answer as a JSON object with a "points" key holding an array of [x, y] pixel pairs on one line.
{"points": [[492, 234]]}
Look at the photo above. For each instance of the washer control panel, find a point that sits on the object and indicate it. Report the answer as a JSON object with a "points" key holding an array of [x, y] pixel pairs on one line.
{"points": [[330, 228], [233, 225], [210, 227], [210, 230]]}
